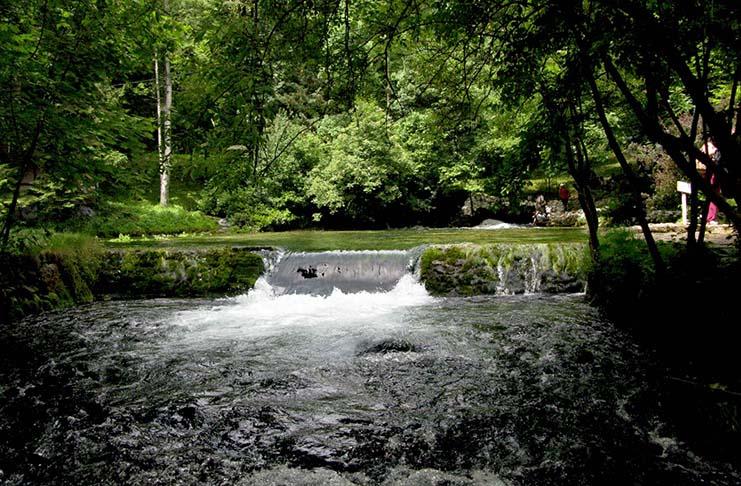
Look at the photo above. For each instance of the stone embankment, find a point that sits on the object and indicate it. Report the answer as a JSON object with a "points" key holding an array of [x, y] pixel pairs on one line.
{"points": [[178, 273], [33, 283], [50, 280], [466, 270]]}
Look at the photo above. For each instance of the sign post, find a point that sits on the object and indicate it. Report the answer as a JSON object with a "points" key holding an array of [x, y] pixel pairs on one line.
{"points": [[684, 188]]}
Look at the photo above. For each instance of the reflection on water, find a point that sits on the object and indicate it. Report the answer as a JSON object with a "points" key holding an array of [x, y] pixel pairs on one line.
{"points": [[393, 387]]}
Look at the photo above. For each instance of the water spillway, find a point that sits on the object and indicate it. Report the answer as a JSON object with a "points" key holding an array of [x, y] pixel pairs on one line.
{"points": [[347, 271], [322, 293], [337, 368]]}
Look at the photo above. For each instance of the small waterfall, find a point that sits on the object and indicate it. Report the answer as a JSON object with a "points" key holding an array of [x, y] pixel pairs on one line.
{"points": [[532, 282], [347, 271], [323, 292], [502, 280]]}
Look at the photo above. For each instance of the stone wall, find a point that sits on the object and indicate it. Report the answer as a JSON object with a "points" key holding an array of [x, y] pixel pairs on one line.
{"points": [[504, 269], [51, 279], [178, 273]]}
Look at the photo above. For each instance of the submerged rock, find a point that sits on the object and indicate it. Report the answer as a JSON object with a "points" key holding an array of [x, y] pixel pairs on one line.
{"points": [[390, 346]]}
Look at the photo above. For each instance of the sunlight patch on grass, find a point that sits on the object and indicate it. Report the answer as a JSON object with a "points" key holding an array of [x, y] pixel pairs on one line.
{"points": [[362, 240]]}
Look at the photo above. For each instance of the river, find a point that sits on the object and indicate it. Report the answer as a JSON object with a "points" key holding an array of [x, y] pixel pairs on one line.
{"points": [[343, 384]]}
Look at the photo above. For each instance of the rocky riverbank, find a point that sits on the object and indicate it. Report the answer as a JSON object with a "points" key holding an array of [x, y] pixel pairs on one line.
{"points": [[504, 269], [33, 283]]}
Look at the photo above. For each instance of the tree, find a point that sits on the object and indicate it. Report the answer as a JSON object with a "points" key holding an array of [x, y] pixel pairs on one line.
{"points": [[611, 38], [164, 117], [58, 112]]}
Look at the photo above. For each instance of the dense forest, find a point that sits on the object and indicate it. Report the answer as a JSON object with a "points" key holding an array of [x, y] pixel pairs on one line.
{"points": [[366, 114], [303, 242]]}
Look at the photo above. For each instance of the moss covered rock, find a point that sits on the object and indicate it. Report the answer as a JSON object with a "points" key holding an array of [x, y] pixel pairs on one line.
{"points": [[504, 269], [179, 273], [51, 279], [64, 277]]}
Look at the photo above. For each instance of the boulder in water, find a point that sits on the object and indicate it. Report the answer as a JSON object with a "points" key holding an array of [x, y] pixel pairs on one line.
{"points": [[392, 345]]}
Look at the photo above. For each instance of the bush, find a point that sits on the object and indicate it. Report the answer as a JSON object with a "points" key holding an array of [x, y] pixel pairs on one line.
{"points": [[623, 272], [624, 278], [651, 160], [143, 218], [27, 240], [663, 216]]}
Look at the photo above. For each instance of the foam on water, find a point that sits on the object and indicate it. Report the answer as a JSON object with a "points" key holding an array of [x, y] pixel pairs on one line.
{"points": [[263, 311]]}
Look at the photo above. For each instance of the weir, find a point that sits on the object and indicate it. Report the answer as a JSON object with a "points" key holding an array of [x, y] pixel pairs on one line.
{"points": [[347, 271], [325, 293]]}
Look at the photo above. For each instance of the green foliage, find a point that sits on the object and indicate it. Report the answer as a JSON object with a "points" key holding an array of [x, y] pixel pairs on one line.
{"points": [[624, 272], [663, 174], [624, 266], [300, 114], [63, 120], [36, 241], [143, 218], [263, 193], [360, 172], [27, 241]]}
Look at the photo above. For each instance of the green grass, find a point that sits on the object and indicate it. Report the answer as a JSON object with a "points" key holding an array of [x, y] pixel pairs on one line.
{"points": [[540, 184], [144, 218], [363, 240]]}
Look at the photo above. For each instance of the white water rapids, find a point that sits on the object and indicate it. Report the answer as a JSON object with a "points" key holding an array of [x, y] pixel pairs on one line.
{"points": [[264, 312]]}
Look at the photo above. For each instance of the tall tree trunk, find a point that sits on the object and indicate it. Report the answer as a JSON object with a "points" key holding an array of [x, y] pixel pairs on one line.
{"points": [[158, 95], [24, 162], [703, 70], [694, 201], [10, 216], [166, 160], [350, 95], [628, 171], [579, 170], [577, 158]]}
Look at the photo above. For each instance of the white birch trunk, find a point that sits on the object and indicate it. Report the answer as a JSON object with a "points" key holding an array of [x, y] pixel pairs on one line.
{"points": [[166, 136], [159, 110]]}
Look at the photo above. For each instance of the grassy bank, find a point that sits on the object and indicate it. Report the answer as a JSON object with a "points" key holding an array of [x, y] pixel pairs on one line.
{"points": [[361, 240], [140, 218]]}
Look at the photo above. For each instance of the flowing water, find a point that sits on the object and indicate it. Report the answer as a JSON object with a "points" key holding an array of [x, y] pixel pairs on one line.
{"points": [[346, 374]]}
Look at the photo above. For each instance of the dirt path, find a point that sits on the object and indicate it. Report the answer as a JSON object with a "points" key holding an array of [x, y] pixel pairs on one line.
{"points": [[717, 234]]}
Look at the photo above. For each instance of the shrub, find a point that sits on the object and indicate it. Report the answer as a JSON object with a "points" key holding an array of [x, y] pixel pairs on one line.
{"points": [[27, 240], [145, 218], [624, 274]]}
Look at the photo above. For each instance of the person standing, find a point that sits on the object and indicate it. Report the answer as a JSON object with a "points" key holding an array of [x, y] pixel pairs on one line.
{"points": [[710, 149], [563, 195]]}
